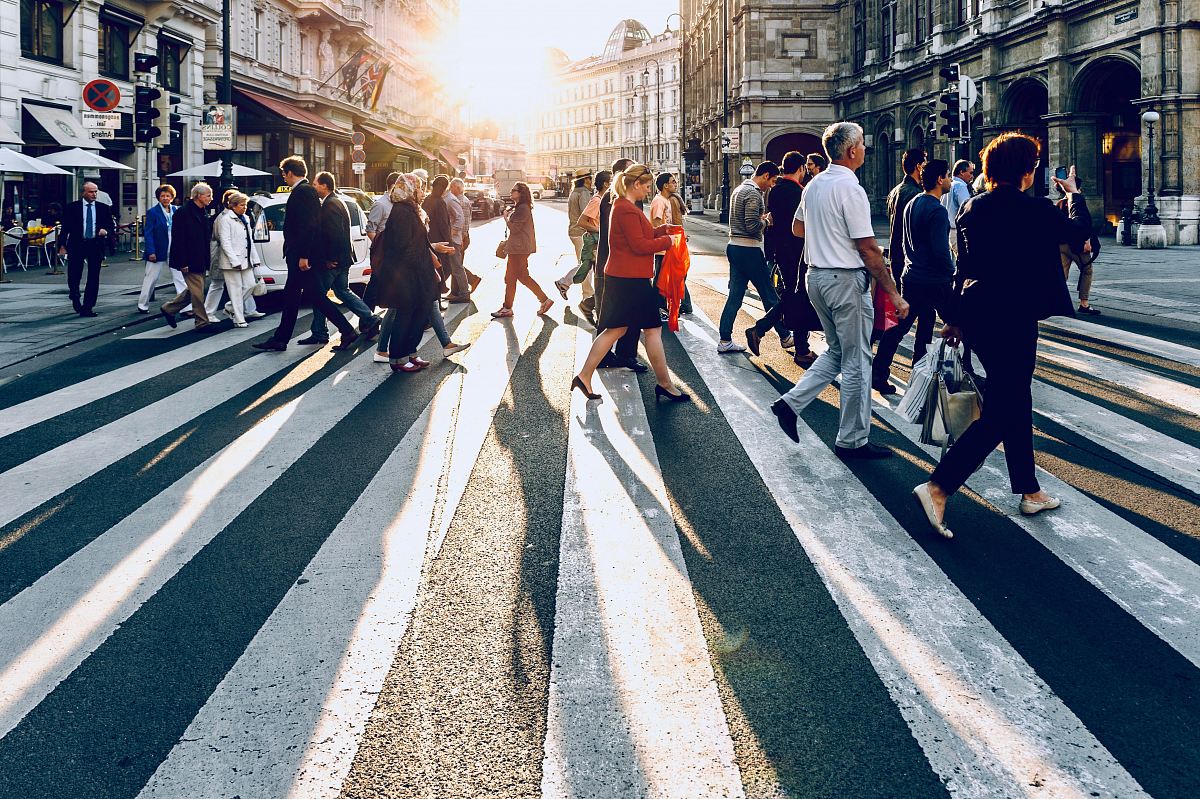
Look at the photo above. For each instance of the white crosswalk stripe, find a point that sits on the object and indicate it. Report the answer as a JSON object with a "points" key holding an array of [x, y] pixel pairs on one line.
{"points": [[633, 706]]}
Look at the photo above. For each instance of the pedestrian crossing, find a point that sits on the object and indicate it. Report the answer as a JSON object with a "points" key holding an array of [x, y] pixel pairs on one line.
{"points": [[235, 589]]}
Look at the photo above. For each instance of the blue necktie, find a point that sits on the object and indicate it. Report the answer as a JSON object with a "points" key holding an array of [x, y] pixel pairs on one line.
{"points": [[88, 225]]}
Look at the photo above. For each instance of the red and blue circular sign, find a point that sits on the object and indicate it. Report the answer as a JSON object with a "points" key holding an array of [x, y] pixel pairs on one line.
{"points": [[101, 95]]}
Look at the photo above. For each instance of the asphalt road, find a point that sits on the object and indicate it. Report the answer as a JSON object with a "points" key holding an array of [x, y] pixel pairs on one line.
{"points": [[265, 575]]}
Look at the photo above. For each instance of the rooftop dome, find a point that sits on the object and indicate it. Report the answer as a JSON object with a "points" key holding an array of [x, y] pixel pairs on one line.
{"points": [[628, 34]]}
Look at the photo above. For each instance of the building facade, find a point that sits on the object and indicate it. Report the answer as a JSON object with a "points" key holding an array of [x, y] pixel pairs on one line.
{"points": [[782, 60], [623, 102], [290, 63], [1075, 74]]}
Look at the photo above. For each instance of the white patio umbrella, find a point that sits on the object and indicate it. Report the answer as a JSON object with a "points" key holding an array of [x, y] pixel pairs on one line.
{"points": [[213, 170], [82, 159], [18, 162]]}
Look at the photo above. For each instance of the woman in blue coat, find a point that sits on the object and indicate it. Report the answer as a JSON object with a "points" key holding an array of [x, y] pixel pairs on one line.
{"points": [[157, 236]]}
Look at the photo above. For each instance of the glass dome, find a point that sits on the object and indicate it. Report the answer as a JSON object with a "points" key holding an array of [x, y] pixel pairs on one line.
{"points": [[628, 34]]}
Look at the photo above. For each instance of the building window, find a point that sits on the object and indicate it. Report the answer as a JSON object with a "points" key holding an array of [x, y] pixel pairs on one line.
{"points": [[112, 48], [303, 54], [860, 34], [887, 28], [41, 30], [170, 64], [258, 23], [282, 54], [924, 14]]}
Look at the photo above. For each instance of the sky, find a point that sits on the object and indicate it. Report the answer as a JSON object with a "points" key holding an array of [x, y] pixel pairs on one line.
{"points": [[495, 58]]}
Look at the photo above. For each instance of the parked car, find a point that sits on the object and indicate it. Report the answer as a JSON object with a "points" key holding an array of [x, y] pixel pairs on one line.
{"points": [[364, 199], [484, 201], [267, 215]]}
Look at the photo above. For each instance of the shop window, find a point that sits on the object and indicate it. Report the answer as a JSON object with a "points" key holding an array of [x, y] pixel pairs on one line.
{"points": [[170, 64], [41, 30], [112, 48]]}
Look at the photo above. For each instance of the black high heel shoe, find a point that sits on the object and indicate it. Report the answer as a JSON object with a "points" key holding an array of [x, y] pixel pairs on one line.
{"points": [[578, 384], [659, 391]]}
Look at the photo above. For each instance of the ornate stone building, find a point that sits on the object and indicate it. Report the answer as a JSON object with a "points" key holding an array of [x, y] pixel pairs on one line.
{"points": [[623, 102], [783, 60], [1076, 74]]}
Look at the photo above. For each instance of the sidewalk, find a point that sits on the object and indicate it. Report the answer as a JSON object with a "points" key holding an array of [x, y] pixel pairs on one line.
{"points": [[36, 316]]}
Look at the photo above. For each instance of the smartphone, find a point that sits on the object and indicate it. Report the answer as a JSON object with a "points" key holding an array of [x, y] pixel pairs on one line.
{"points": [[1061, 173]]}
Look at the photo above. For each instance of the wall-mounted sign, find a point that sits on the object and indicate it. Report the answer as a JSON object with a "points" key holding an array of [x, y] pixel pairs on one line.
{"points": [[101, 94], [218, 127], [731, 141], [101, 119], [102, 133], [1128, 15]]}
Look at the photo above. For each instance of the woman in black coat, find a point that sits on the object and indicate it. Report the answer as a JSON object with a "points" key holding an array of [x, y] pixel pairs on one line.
{"points": [[405, 281], [1008, 253]]}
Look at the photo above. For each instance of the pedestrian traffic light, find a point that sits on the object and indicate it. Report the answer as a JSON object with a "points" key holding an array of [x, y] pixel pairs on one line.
{"points": [[951, 103], [145, 62], [145, 112]]}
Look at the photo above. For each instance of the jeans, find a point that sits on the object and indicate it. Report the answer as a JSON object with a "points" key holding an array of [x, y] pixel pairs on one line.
{"points": [[747, 265], [1007, 348], [923, 300], [842, 300], [438, 323], [338, 280]]}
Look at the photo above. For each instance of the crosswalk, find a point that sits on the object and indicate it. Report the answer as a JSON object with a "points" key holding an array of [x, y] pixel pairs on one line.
{"points": [[230, 574]]}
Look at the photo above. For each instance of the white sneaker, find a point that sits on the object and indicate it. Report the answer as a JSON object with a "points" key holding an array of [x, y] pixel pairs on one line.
{"points": [[255, 315], [727, 347], [787, 343], [380, 358]]}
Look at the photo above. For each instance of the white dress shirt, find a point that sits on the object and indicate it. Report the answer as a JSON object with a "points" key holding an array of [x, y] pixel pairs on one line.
{"points": [[835, 211]]}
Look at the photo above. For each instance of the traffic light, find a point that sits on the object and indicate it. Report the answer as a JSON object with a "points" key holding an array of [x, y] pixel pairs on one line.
{"points": [[162, 107], [145, 62], [951, 103], [145, 111]]}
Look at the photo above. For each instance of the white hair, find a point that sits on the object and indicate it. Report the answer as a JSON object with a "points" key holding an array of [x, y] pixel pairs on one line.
{"points": [[199, 189], [457, 182], [840, 137]]}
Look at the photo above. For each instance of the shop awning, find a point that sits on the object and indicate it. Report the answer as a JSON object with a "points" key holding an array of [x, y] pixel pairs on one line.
{"points": [[8, 135], [62, 126], [390, 139], [448, 157], [294, 113]]}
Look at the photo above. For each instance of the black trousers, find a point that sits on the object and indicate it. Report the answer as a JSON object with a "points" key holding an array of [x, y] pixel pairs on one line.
{"points": [[923, 302], [91, 253], [627, 345], [302, 284], [1007, 348]]}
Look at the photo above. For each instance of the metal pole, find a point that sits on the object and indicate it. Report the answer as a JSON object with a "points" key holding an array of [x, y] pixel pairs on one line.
{"points": [[226, 95], [645, 133], [1150, 216], [724, 216]]}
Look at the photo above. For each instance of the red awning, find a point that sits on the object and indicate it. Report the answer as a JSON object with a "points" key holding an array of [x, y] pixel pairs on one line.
{"points": [[448, 158], [294, 113], [387, 138]]}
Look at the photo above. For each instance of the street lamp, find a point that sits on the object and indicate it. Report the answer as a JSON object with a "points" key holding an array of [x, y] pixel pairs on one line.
{"points": [[645, 138], [657, 103], [723, 218], [1150, 215], [682, 84]]}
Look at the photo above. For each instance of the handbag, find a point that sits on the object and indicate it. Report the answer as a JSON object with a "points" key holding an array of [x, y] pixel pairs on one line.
{"points": [[798, 313], [913, 402], [952, 401], [260, 288], [885, 309], [502, 247]]}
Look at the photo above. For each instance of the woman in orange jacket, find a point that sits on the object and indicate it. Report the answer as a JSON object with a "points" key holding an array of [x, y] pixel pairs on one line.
{"points": [[630, 297]]}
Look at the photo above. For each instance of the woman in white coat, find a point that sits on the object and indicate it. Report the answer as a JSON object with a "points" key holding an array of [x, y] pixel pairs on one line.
{"points": [[236, 255]]}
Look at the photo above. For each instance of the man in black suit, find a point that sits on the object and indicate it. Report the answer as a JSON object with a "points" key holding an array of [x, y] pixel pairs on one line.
{"points": [[302, 251], [333, 267], [85, 228]]}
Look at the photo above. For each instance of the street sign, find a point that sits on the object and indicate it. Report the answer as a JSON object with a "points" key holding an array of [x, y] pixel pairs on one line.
{"points": [[102, 133], [358, 157], [358, 139], [731, 141], [218, 127], [968, 91], [358, 167], [101, 95], [98, 119], [747, 168]]}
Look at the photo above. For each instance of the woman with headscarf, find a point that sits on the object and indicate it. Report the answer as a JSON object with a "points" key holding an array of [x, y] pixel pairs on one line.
{"points": [[522, 243], [406, 280]]}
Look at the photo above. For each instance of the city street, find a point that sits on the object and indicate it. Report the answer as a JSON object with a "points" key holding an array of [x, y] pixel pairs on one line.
{"points": [[228, 573]]}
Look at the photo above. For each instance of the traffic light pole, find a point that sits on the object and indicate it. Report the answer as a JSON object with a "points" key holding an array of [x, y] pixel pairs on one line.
{"points": [[723, 217], [226, 95]]}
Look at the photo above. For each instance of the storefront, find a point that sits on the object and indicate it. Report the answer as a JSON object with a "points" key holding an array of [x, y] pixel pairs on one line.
{"points": [[270, 129], [386, 153]]}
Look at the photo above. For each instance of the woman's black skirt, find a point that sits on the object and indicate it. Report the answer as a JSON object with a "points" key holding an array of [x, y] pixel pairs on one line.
{"points": [[629, 302]]}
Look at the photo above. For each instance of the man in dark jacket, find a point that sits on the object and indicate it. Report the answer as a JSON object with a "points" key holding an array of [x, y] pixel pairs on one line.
{"points": [[302, 252], [904, 192], [191, 233], [85, 228], [333, 264]]}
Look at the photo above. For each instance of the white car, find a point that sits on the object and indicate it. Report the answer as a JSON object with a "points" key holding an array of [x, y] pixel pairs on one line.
{"points": [[267, 213]]}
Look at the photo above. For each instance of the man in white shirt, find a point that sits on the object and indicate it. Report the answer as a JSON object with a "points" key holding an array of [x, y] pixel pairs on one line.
{"points": [[960, 192], [834, 219]]}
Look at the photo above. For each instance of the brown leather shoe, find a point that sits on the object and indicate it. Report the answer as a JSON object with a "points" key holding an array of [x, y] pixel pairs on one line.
{"points": [[805, 359]]}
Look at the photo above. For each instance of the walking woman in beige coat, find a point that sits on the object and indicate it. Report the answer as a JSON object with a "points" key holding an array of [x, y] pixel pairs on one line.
{"points": [[522, 243]]}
